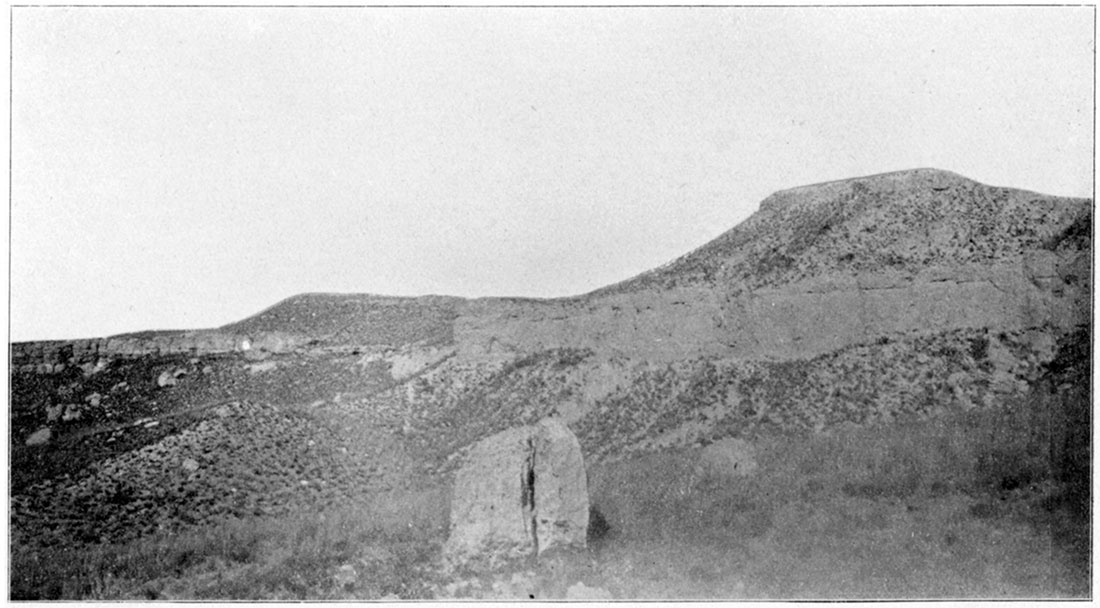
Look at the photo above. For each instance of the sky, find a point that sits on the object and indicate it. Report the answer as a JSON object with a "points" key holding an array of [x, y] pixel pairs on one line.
{"points": [[182, 168]]}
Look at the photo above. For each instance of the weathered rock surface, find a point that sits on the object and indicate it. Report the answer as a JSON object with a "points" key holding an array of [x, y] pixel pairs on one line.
{"points": [[521, 492], [660, 326], [94, 354], [560, 487]]}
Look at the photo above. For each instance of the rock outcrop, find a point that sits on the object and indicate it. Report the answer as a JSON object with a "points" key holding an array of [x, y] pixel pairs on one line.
{"points": [[40, 436], [521, 492], [49, 357]]}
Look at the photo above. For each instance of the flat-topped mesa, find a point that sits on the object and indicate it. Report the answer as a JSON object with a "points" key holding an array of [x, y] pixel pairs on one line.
{"points": [[911, 179]]}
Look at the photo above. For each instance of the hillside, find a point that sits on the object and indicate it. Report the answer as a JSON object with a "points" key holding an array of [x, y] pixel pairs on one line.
{"points": [[847, 325], [355, 319], [905, 221]]}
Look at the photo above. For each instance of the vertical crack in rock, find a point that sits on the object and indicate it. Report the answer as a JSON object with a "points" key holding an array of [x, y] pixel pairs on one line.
{"points": [[527, 498]]}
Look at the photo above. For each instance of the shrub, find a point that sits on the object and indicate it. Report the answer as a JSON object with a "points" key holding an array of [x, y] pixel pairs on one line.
{"points": [[979, 348]]}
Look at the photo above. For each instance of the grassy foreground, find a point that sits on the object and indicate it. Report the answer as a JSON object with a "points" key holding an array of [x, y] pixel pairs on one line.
{"points": [[948, 509], [365, 551]]}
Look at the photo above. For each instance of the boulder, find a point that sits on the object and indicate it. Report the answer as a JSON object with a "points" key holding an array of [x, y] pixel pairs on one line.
{"points": [[40, 436], [73, 411], [166, 379], [53, 412], [520, 493]]}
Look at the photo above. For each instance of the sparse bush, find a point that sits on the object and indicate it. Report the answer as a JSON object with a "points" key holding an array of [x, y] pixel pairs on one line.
{"points": [[892, 259], [570, 357], [979, 348]]}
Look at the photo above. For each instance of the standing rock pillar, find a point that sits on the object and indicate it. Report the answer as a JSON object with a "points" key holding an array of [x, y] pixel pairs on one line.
{"points": [[561, 488], [521, 492]]}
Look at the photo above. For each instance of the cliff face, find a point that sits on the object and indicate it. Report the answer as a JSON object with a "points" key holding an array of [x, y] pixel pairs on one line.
{"points": [[658, 325], [56, 355], [796, 320]]}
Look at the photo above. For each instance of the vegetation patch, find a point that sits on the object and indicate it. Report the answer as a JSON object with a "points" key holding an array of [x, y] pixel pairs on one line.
{"points": [[335, 554], [891, 511]]}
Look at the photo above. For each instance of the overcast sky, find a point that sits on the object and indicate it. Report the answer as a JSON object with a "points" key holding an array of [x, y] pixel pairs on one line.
{"points": [[185, 168]]}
